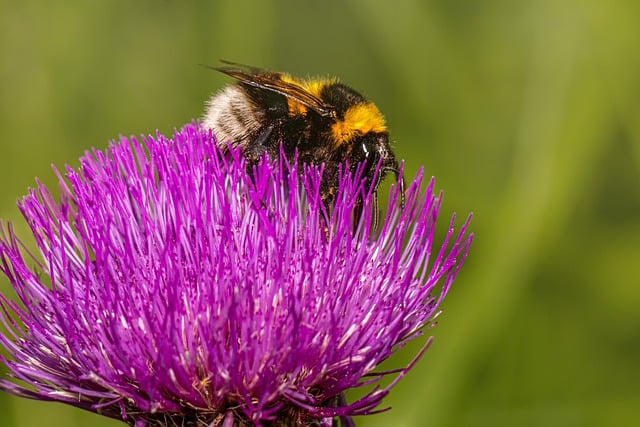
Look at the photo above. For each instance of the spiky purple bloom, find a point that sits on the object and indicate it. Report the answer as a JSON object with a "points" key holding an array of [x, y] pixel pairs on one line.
{"points": [[174, 287]]}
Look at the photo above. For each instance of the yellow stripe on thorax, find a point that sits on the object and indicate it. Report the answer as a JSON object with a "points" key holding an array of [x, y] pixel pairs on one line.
{"points": [[314, 87], [358, 120]]}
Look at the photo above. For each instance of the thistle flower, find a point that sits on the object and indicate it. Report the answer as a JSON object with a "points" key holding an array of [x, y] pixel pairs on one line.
{"points": [[174, 287]]}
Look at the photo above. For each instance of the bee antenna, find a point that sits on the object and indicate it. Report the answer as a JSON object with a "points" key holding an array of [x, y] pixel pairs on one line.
{"points": [[400, 179]]}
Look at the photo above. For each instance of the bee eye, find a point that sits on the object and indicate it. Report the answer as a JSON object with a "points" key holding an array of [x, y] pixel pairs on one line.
{"points": [[370, 155], [366, 149], [371, 148]]}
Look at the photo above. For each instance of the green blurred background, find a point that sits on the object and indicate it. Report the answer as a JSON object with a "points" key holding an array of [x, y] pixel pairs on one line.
{"points": [[527, 112]]}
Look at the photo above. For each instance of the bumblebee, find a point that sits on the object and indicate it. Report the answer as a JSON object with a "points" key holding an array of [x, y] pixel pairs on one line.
{"points": [[325, 121]]}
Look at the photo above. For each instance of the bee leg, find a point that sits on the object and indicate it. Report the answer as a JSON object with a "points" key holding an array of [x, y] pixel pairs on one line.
{"points": [[400, 179], [358, 210], [376, 211], [357, 213], [258, 146]]}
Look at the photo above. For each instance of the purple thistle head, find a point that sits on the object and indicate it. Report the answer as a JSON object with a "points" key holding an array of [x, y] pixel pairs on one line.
{"points": [[174, 287]]}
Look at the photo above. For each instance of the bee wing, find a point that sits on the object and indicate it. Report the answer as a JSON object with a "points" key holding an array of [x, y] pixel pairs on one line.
{"points": [[272, 81]]}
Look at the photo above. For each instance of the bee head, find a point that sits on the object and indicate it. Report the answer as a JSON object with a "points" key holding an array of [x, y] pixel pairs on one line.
{"points": [[373, 149], [360, 129]]}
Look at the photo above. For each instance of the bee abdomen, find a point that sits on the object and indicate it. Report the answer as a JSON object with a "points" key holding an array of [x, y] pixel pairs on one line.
{"points": [[231, 115]]}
